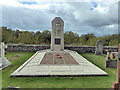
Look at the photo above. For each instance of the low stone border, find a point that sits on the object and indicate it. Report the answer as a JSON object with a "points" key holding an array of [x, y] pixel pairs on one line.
{"points": [[79, 49]]}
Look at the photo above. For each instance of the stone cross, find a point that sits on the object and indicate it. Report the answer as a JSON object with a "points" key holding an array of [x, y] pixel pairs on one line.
{"points": [[99, 47], [117, 83], [57, 34], [3, 61]]}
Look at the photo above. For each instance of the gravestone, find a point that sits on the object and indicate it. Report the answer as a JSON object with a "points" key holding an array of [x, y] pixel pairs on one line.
{"points": [[116, 85], [4, 62], [111, 60], [99, 48], [57, 35]]}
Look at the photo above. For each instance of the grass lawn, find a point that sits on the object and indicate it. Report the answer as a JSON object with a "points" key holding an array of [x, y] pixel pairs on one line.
{"points": [[57, 82]]}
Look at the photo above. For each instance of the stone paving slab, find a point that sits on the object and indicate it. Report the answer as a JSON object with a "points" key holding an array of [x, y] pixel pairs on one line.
{"points": [[32, 67], [59, 68], [43, 69]]}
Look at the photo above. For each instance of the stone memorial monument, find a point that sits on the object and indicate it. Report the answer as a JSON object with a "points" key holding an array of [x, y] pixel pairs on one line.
{"points": [[4, 62], [99, 48], [57, 35], [57, 61]]}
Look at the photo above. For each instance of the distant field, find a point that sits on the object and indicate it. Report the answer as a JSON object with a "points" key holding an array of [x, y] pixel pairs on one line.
{"points": [[18, 58]]}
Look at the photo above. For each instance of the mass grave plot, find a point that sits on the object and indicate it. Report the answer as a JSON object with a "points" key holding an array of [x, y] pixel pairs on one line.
{"points": [[57, 61]]}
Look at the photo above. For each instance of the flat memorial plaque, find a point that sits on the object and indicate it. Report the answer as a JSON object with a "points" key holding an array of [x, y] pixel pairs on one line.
{"points": [[57, 41]]}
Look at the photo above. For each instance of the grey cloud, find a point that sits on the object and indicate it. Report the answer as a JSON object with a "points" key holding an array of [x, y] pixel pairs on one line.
{"points": [[94, 18], [24, 18], [76, 15]]}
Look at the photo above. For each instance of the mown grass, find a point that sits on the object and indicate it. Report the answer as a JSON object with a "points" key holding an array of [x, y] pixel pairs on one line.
{"points": [[57, 82]]}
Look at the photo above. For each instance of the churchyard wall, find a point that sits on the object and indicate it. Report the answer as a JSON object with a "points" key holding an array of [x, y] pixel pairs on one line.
{"points": [[79, 49]]}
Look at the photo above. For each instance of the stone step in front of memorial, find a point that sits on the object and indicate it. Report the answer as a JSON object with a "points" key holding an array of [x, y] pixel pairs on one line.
{"points": [[35, 66]]}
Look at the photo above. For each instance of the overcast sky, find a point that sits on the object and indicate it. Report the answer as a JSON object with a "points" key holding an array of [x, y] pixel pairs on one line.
{"points": [[100, 18]]}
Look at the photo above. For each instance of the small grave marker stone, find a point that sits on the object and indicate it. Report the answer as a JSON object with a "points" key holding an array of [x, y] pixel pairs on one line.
{"points": [[99, 48], [111, 60]]}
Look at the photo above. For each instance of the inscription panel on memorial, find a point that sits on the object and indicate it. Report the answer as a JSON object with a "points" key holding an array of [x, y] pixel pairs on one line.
{"points": [[57, 41]]}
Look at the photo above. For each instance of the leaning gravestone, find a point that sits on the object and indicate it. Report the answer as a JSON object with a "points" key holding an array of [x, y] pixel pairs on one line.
{"points": [[4, 62], [99, 48]]}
